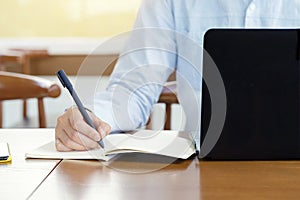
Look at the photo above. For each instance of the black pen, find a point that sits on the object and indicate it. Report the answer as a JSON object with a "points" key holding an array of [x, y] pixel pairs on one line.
{"points": [[66, 83]]}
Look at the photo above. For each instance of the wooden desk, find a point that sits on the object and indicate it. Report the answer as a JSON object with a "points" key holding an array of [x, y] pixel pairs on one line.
{"points": [[250, 180], [150, 177], [181, 180], [122, 179], [21, 177]]}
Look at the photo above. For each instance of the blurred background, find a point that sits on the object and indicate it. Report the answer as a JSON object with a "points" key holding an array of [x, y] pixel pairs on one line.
{"points": [[68, 18], [68, 32]]}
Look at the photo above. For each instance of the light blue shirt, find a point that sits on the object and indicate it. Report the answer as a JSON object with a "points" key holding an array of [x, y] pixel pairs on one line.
{"points": [[167, 36]]}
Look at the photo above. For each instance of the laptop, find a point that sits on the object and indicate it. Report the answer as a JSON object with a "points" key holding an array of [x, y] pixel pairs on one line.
{"points": [[260, 72]]}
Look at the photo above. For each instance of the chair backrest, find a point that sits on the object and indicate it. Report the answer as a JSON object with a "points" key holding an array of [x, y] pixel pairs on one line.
{"points": [[20, 86]]}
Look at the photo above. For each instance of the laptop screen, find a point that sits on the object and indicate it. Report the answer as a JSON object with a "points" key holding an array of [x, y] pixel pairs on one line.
{"points": [[260, 71]]}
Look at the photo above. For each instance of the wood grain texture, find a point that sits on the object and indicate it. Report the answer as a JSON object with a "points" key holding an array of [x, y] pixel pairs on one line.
{"points": [[20, 177], [189, 179], [128, 177]]}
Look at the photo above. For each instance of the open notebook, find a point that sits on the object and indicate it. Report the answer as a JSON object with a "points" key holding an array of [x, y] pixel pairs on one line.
{"points": [[167, 143]]}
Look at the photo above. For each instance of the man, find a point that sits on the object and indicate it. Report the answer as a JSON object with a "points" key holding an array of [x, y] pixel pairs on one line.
{"points": [[167, 35]]}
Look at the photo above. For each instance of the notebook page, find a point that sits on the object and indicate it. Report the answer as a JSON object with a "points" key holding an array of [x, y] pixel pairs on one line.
{"points": [[169, 143], [48, 151]]}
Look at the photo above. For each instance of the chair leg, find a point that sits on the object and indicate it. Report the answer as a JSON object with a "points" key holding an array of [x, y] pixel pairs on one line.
{"points": [[168, 117], [148, 124], [25, 109], [167, 125], [25, 62], [1, 114], [42, 115]]}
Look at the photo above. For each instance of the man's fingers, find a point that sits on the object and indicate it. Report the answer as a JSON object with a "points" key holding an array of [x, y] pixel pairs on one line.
{"points": [[60, 147], [80, 138], [70, 143], [65, 143], [73, 133], [74, 139], [102, 127], [77, 123]]}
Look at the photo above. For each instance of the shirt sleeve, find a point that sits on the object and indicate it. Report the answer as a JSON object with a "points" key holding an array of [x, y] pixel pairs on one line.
{"points": [[146, 62]]}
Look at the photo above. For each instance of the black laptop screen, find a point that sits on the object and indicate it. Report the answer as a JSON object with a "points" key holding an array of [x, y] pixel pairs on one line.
{"points": [[260, 71]]}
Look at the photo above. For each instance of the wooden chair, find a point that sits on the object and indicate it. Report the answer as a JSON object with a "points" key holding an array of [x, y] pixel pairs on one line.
{"points": [[168, 97], [19, 86], [23, 58]]}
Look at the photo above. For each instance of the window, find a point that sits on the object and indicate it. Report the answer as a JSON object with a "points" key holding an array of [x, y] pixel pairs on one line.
{"points": [[67, 18]]}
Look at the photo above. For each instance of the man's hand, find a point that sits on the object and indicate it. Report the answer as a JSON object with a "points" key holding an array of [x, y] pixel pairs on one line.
{"points": [[73, 133]]}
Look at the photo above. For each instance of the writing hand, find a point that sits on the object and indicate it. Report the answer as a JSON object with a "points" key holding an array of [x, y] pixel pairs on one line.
{"points": [[73, 133]]}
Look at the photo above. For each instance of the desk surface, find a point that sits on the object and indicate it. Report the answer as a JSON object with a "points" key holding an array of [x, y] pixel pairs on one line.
{"points": [[21, 177], [135, 177], [188, 179]]}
